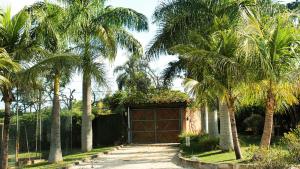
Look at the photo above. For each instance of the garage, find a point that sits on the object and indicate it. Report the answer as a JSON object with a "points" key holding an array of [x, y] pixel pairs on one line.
{"points": [[156, 123]]}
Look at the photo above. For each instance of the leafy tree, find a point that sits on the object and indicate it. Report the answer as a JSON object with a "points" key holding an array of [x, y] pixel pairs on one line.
{"points": [[97, 31], [216, 69], [135, 75], [178, 18], [272, 38], [14, 48]]}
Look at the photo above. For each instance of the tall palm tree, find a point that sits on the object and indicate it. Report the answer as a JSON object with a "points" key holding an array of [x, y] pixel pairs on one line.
{"points": [[53, 61], [98, 30], [271, 41], [55, 65], [15, 47]]}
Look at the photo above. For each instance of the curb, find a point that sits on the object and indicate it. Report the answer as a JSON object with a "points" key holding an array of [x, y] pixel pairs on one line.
{"points": [[196, 164], [71, 166]]}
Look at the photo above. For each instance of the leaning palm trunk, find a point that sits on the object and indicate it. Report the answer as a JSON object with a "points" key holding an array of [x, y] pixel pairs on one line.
{"points": [[86, 128], [236, 144], [226, 143], [268, 126], [55, 154], [4, 146], [213, 123]]}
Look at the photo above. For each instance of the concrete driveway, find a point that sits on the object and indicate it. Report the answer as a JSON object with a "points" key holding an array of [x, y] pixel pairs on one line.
{"points": [[137, 157]]}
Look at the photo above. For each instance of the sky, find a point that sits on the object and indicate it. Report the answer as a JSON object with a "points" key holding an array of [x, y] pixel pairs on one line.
{"points": [[145, 7]]}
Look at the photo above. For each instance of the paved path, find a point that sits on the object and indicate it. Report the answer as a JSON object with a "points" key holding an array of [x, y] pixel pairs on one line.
{"points": [[136, 157]]}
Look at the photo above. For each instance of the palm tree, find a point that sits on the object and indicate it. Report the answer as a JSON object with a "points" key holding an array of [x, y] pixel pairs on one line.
{"points": [[55, 65], [14, 49], [53, 61], [216, 70], [98, 30], [272, 36], [177, 18], [134, 75], [7, 67]]}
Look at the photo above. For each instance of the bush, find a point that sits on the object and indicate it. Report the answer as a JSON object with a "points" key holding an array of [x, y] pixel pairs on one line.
{"points": [[292, 141], [198, 142], [272, 158]]}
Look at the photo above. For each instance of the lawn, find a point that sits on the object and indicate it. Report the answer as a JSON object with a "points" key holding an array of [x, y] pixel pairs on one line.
{"points": [[69, 159], [218, 156]]}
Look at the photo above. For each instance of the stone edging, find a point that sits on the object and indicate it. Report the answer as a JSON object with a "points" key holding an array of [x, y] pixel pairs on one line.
{"points": [[186, 162], [70, 166], [194, 163]]}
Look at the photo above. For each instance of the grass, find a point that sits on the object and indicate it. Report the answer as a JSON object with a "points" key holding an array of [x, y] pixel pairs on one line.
{"points": [[68, 159], [218, 156]]}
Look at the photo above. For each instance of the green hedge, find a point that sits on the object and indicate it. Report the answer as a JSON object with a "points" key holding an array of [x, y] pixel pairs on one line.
{"points": [[198, 142]]}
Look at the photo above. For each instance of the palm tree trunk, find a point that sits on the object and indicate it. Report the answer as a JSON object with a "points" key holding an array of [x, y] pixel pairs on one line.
{"points": [[236, 144], [4, 146], [204, 118], [86, 128], [268, 126], [55, 154], [226, 143], [213, 123]]}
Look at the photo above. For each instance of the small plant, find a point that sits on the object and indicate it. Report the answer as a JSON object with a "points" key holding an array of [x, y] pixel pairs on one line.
{"points": [[198, 142], [292, 141]]}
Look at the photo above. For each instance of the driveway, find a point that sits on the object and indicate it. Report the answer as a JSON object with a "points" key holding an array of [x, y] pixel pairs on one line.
{"points": [[136, 157]]}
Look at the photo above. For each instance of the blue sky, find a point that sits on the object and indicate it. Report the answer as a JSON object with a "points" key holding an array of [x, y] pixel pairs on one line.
{"points": [[143, 6]]}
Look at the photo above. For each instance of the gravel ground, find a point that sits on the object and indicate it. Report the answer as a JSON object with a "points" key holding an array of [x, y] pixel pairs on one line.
{"points": [[136, 157]]}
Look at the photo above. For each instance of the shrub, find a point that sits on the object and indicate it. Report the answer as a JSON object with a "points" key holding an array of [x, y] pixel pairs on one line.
{"points": [[292, 141], [198, 142], [272, 158]]}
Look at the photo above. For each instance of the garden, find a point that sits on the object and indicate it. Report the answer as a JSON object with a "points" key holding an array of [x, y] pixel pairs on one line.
{"points": [[238, 63]]}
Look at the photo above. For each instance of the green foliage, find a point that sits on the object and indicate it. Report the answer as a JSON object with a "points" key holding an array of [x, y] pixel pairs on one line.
{"points": [[135, 75], [198, 142], [157, 96], [101, 109], [272, 158], [76, 110], [292, 142], [116, 101], [120, 99]]}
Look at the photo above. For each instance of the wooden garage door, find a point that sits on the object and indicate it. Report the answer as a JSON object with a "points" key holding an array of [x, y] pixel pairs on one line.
{"points": [[155, 125]]}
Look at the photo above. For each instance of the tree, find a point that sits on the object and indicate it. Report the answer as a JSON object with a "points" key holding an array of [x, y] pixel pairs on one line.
{"points": [[14, 49], [97, 31], [54, 62], [134, 75], [272, 38], [55, 65], [178, 18], [216, 69]]}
